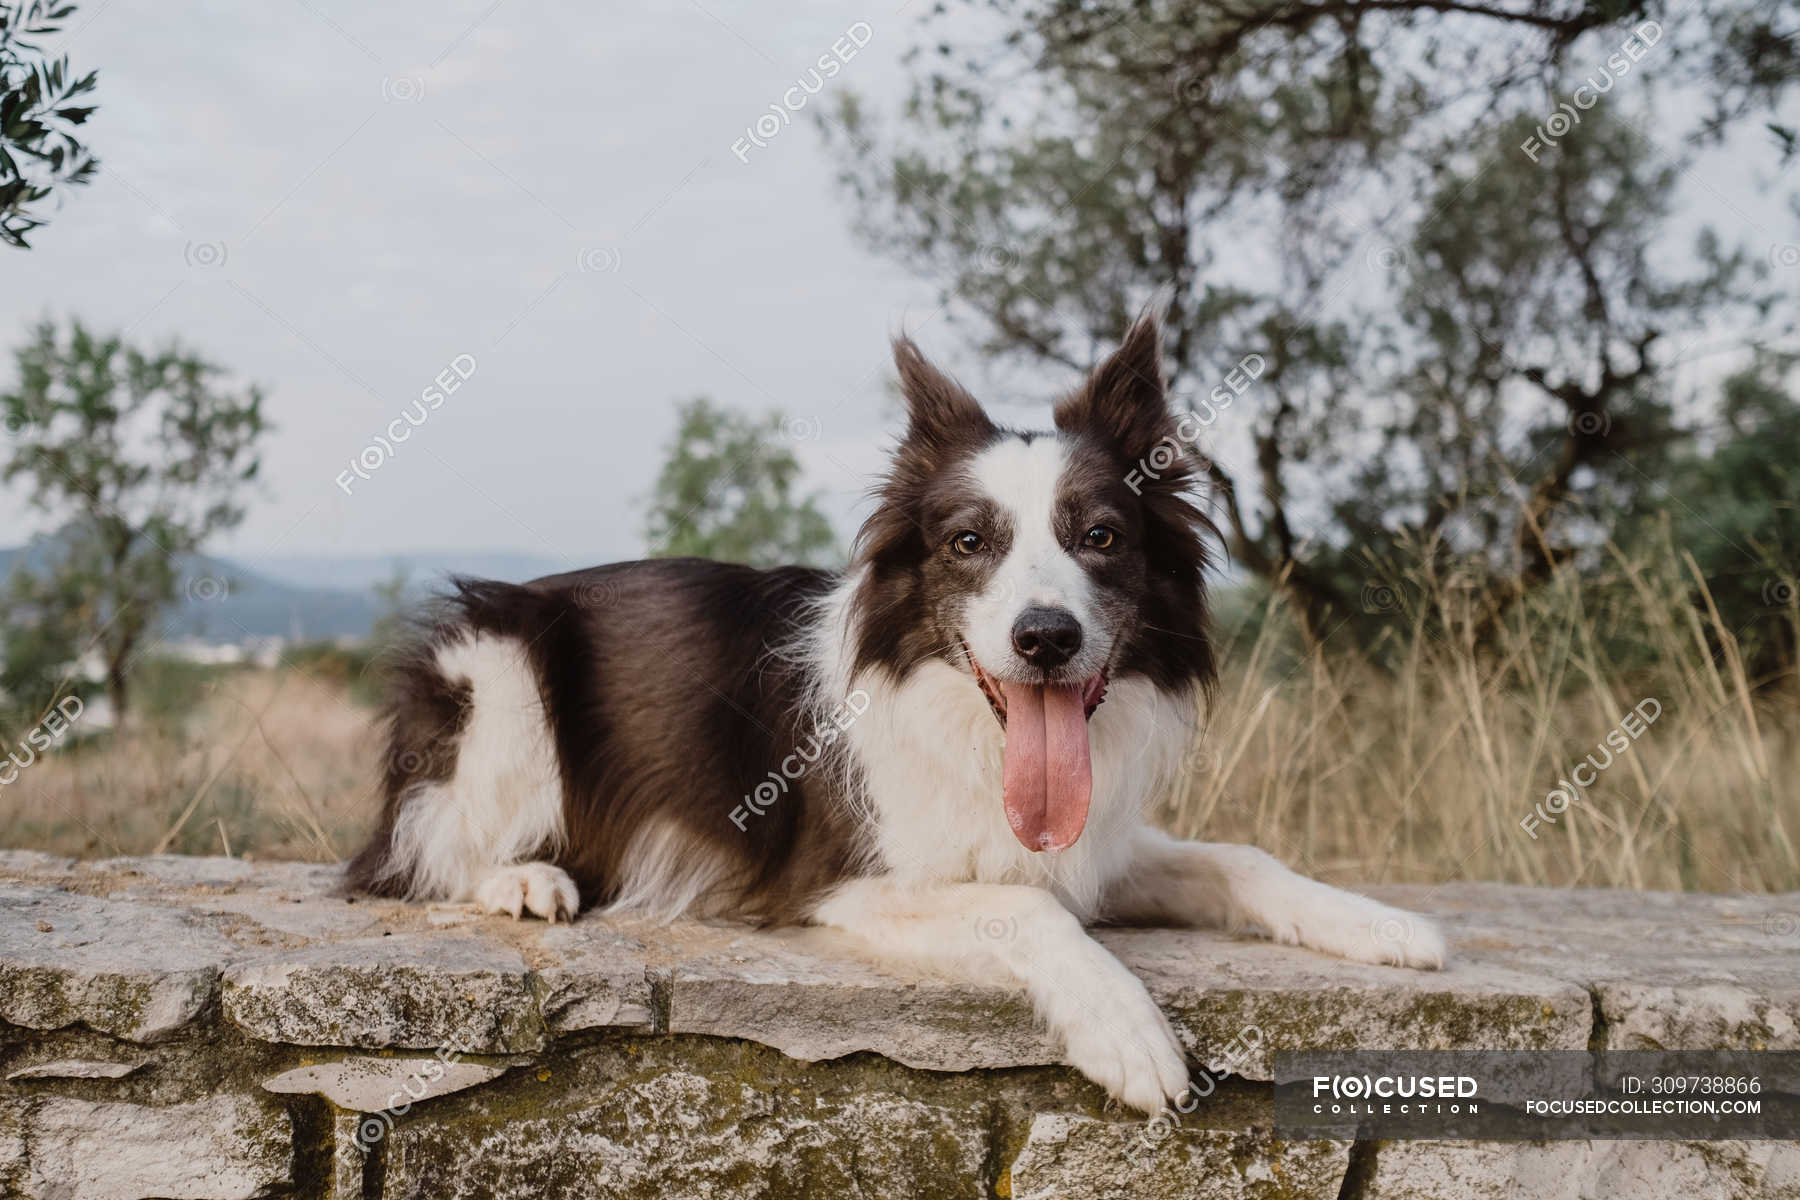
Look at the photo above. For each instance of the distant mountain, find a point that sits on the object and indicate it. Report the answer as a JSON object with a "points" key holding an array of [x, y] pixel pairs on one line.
{"points": [[304, 596], [222, 601], [425, 569]]}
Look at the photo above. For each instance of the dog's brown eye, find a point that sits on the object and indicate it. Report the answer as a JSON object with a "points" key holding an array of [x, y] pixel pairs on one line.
{"points": [[967, 542], [1101, 538]]}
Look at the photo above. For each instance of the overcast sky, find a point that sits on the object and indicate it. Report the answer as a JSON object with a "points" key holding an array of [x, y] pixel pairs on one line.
{"points": [[340, 200], [337, 200]]}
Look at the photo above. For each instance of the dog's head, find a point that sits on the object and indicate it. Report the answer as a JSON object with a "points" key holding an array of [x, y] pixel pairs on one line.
{"points": [[1043, 565]]}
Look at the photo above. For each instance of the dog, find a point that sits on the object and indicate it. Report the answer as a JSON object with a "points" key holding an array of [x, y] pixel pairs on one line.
{"points": [[945, 750]]}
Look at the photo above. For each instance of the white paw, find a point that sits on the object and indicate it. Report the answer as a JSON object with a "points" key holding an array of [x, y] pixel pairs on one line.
{"points": [[1300, 912], [1131, 1051], [538, 888], [1406, 940], [1369, 932]]}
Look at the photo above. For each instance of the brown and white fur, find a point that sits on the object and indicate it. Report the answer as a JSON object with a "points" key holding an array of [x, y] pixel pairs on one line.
{"points": [[679, 737]]}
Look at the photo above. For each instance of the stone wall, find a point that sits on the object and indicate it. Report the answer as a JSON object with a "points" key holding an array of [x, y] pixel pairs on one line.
{"points": [[208, 1028]]}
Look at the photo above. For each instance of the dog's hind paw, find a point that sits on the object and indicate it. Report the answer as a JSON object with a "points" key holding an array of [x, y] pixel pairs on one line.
{"points": [[1420, 942], [1351, 926], [538, 888], [1396, 938]]}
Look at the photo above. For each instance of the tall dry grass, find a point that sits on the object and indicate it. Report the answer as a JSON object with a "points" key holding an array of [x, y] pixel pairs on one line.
{"points": [[1421, 769], [1429, 768], [270, 764]]}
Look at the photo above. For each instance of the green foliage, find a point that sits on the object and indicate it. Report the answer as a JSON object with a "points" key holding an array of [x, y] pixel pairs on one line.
{"points": [[140, 456], [40, 639], [1469, 348], [354, 668], [727, 491], [39, 151], [167, 690], [1736, 509], [393, 607]]}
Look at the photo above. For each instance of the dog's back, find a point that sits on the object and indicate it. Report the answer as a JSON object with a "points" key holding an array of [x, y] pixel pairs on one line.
{"points": [[607, 722]]}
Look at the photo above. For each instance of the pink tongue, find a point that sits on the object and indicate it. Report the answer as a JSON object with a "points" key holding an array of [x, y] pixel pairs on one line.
{"points": [[1048, 776]]}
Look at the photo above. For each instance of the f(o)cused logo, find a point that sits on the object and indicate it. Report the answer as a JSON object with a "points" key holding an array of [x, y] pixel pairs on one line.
{"points": [[1591, 423], [802, 429], [1391, 931], [996, 929], [598, 593], [207, 587], [598, 259], [1380, 597], [204, 254]]}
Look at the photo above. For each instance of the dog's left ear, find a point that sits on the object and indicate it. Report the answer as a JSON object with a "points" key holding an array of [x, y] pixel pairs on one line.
{"points": [[1125, 399]]}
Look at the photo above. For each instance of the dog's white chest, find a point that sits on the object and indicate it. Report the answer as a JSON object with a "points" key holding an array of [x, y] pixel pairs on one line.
{"points": [[930, 750]]}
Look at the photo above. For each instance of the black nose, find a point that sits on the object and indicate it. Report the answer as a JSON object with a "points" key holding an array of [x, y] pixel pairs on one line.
{"points": [[1046, 637]]}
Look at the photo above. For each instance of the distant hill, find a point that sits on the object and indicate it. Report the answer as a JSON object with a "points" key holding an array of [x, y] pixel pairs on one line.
{"points": [[303, 597], [223, 601], [425, 569]]}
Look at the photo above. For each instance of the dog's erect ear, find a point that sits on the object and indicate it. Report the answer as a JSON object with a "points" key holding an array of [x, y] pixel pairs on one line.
{"points": [[1125, 400], [940, 414]]}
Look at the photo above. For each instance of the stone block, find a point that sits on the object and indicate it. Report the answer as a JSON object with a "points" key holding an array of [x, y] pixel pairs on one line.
{"points": [[1586, 1171], [137, 971], [1067, 1155], [227, 1147], [414, 991]]}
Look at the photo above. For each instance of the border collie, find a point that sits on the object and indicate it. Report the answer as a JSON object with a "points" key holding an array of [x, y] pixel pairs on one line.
{"points": [[946, 751]]}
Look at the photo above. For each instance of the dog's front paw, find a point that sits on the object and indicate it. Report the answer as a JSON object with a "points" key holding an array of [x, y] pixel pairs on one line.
{"points": [[1396, 938], [1132, 1053], [538, 888]]}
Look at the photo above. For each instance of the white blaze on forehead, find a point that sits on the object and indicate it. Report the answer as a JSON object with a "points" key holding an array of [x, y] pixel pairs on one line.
{"points": [[1023, 479]]}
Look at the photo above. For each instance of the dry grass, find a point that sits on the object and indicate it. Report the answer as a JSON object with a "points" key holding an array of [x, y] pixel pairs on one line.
{"points": [[1425, 771], [1420, 771], [270, 764]]}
